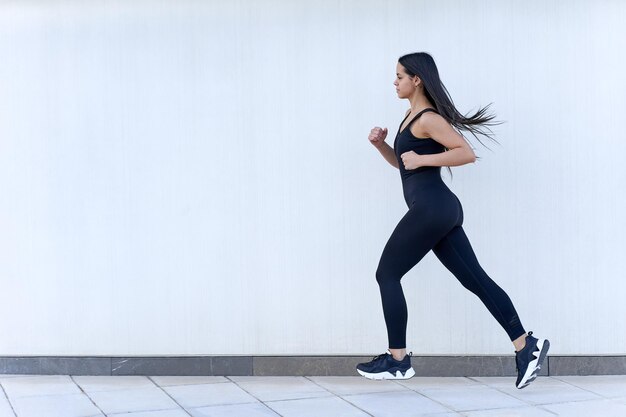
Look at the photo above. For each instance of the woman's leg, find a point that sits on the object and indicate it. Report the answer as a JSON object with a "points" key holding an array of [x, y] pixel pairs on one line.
{"points": [[455, 252], [412, 238]]}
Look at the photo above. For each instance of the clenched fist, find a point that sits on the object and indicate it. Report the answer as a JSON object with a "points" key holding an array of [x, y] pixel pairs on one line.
{"points": [[411, 160], [377, 136]]}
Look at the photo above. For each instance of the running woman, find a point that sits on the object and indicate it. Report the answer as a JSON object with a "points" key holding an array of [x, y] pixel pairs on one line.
{"points": [[427, 139]]}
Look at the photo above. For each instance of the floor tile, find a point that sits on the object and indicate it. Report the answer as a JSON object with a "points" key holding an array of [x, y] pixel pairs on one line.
{"points": [[346, 385], [234, 396], [39, 385], [316, 407], [274, 388], [111, 383], [467, 398], [400, 403], [203, 395], [235, 410], [527, 411], [169, 381], [621, 400], [5, 407], [604, 385], [503, 382], [136, 399], [70, 405], [543, 390], [510, 412], [161, 413], [603, 408], [437, 382]]}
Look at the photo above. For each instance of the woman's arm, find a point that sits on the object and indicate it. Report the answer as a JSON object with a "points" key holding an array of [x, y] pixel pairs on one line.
{"points": [[377, 138], [388, 153], [440, 130]]}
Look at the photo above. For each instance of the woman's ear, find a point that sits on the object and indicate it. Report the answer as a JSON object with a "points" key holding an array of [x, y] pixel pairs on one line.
{"points": [[417, 81]]}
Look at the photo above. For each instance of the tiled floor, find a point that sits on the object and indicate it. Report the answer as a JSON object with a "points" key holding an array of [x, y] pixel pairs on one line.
{"points": [[173, 396]]}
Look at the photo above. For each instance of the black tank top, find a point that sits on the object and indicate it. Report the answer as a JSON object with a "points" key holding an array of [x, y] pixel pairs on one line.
{"points": [[405, 141]]}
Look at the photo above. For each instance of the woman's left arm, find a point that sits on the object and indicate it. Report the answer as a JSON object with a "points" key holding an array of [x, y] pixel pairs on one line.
{"points": [[439, 129]]}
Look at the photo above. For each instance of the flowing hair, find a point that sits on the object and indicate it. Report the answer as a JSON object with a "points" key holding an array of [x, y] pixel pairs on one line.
{"points": [[423, 65]]}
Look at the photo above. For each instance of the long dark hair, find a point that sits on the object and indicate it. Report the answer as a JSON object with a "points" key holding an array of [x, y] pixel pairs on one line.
{"points": [[423, 65]]}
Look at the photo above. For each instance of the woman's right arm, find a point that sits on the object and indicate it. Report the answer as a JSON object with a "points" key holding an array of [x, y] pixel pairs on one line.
{"points": [[388, 153], [377, 138]]}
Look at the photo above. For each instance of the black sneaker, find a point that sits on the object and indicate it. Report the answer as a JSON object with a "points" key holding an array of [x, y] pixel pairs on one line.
{"points": [[386, 367], [528, 360]]}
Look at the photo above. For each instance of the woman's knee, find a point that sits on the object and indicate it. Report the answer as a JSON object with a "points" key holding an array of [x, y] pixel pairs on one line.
{"points": [[384, 275], [379, 275]]}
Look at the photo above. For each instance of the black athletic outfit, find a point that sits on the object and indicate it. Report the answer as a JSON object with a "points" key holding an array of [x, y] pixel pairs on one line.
{"points": [[433, 222]]}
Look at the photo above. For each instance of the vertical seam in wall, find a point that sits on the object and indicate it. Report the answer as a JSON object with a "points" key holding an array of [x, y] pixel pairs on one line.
{"points": [[251, 369], [549, 371]]}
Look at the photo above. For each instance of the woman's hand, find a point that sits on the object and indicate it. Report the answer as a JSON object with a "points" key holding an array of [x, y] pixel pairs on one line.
{"points": [[411, 160], [377, 136]]}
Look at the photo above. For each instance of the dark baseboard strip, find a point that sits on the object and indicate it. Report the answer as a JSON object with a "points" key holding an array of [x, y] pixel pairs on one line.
{"points": [[450, 366]]}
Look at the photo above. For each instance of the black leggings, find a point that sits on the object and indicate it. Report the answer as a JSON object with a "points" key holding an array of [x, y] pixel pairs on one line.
{"points": [[423, 228]]}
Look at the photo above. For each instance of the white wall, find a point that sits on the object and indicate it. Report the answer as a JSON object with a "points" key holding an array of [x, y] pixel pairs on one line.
{"points": [[195, 177]]}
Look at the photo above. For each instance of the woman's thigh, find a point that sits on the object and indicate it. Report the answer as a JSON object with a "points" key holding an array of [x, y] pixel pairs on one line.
{"points": [[414, 236]]}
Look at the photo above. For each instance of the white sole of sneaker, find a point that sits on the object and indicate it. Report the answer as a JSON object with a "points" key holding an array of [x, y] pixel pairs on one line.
{"points": [[388, 375], [535, 365]]}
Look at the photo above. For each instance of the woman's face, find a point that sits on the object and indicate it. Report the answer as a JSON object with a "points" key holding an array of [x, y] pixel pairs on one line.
{"points": [[405, 85]]}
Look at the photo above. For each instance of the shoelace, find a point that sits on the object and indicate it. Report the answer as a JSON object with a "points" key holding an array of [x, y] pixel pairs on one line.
{"points": [[375, 358], [379, 356]]}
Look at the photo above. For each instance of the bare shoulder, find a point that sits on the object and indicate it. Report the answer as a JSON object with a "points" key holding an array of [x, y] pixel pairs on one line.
{"points": [[428, 124], [431, 118], [433, 125]]}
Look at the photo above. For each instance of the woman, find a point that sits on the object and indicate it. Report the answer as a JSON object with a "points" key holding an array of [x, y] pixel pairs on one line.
{"points": [[426, 141]]}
